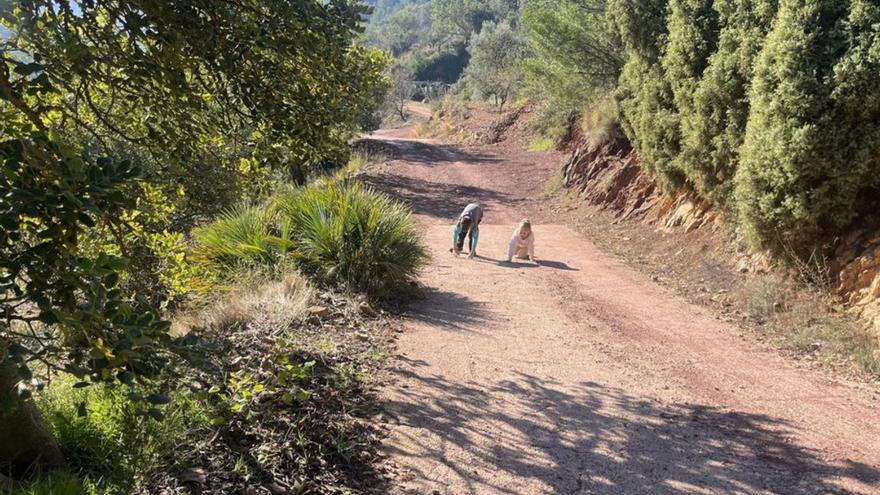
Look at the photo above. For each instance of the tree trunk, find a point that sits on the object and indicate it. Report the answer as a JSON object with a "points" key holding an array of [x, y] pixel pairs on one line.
{"points": [[26, 444]]}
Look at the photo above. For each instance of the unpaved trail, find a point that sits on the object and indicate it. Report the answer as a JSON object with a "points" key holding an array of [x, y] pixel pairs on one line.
{"points": [[583, 376]]}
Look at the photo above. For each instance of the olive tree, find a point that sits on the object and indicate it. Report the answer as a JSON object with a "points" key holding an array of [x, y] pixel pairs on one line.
{"points": [[495, 67]]}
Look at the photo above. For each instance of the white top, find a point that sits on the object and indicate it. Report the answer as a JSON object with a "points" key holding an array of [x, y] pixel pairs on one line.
{"points": [[521, 247]]}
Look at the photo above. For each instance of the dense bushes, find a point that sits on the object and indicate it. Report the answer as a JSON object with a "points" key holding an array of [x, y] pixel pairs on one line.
{"points": [[783, 184], [812, 137], [339, 234], [693, 26], [778, 124], [122, 125], [713, 132], [110, 446], [647, 109]]}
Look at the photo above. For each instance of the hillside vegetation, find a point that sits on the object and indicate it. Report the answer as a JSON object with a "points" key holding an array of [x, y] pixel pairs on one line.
{"points": [[767, 109], [168, 215], [191, 282]]}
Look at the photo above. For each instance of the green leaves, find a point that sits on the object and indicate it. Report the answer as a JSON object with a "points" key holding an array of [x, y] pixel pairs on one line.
{"points": [[575, 55], [50, 200], [109, 115], [753, 105], [341, 235], [811, 143], [495, 67]]}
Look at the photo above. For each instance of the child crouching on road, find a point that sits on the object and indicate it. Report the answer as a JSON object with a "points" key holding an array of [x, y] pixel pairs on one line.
{"points": [[522, 243], [468, 225]]}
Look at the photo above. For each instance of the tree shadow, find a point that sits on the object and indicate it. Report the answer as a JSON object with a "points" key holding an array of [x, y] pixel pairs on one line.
{"points": [[435, 199], [449, 311], [525, 432]]}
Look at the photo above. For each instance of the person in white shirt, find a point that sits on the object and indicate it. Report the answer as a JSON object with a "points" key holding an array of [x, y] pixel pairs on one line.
{"points": [[522, 243]]}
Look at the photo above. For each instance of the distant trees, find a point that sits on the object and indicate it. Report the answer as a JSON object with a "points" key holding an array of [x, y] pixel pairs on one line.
{"points": [[406, 28], [401, 90], [497, 52], [459, 20], [431, 37], [574, 55]]}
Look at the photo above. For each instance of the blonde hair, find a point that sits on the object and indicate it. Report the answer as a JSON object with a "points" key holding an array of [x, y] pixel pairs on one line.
{"points": [[525, 224]]}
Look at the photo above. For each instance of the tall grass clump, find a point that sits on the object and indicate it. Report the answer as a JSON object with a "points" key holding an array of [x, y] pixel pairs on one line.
{"points": [[245, 234], [338, 233], [355, 238], [58, 484]]}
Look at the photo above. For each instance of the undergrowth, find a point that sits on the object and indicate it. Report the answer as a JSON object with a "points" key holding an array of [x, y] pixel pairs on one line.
{"points": [[805, 324], [541, 144], [261, 392]]}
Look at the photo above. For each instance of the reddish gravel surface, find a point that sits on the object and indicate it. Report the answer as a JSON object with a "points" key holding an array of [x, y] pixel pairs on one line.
{"points": [[583, 376]]}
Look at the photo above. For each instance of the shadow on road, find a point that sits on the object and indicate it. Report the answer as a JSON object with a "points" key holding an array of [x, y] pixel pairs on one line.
{"points": [[435, 199], [450, 311], [558, 265], [595, 439]]}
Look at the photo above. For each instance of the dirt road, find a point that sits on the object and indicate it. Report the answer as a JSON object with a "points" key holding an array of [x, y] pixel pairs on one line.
{"points": [[583, 376]]}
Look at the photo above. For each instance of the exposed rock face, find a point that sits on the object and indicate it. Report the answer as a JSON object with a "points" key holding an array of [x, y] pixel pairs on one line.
{"points": [[608, 174], [859, 275]]}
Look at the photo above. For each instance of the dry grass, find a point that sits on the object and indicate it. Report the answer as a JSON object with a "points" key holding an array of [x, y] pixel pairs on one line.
{"points": [[599, 121], [803, 323], [359, 162], [420, 130], [257, 299], [553, 185], [813, 271], [762, 297]]}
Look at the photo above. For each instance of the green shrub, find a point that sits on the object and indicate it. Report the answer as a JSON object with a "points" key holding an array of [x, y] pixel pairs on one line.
{"points": [[575, 57], [248, 234], [648, 114], [339, 234], [713, 130], [355, 238], [104, 438], [650, 120], [60, 484], [693, 27], [812, 138]]}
